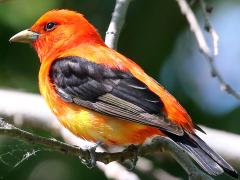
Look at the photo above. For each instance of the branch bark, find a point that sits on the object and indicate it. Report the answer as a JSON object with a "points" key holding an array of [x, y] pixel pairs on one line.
{"points": [[117, 22], [158, 144], [202, 43]]}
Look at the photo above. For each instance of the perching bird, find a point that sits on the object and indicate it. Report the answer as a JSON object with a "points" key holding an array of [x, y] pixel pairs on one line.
{"points": [[101, 95]]}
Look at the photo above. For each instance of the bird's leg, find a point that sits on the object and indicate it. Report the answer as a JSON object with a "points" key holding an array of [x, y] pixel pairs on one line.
{"points": [[91, 163], [136, 151]]}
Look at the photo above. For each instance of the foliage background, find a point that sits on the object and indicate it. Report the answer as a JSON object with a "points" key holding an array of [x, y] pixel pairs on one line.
{"points": [[157, 37]]}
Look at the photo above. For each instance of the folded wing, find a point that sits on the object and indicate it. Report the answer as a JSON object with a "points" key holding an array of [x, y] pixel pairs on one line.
{"points": [[109, 91]]}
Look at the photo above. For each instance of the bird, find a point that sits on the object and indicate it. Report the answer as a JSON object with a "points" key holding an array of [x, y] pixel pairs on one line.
{"points": [[102, 96]]}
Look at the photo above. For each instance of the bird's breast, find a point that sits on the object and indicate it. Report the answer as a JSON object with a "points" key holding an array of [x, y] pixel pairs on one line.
{"points": [[88, 124]]}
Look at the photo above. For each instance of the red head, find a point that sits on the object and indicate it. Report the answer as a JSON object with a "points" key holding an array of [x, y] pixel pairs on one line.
{"points": [[57, 31]]}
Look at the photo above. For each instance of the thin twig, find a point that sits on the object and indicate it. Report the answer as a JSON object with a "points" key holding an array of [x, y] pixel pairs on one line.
{"points": [[202, 43], [117, 22], [194, 26], [209, 28]]}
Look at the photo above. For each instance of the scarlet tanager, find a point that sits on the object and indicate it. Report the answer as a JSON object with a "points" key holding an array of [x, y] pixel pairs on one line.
{"points": [[101, 95]]}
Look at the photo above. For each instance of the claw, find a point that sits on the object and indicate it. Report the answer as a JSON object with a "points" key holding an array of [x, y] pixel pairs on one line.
{"points": [[91, 163], [133, 161]]}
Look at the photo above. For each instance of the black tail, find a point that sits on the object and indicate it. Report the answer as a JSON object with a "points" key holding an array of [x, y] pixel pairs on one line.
{"points": [[209, 160]]}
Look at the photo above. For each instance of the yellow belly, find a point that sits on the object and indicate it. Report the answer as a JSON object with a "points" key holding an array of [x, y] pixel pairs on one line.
{"points": [[94, 126]]}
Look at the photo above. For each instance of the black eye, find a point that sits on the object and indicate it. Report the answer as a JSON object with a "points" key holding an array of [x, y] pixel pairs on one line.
{"points": [[49, 26]]}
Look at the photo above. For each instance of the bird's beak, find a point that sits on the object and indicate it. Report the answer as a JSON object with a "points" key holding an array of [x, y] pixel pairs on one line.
{"points": [[25, 36]]}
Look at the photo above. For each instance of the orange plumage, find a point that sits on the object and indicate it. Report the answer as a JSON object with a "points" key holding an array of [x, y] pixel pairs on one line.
{"points": [[87, 43], [64, 41]]}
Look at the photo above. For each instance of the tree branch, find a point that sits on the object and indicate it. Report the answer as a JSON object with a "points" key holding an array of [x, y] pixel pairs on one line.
{"points": [[158, 144], [208, 27], [202, 43], [117, 22]]}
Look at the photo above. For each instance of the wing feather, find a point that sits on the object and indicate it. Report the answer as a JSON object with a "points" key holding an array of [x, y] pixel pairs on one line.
{"points": [[109, 91]]}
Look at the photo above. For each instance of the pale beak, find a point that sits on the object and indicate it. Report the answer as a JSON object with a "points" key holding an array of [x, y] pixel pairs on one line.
{"points": [[25, 36]]}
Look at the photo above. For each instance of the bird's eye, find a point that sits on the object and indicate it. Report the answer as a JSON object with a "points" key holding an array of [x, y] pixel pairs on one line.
{"points": [[49, 26]]}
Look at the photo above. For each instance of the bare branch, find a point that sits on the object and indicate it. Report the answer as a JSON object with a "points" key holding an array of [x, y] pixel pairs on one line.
{"points": [[158, 144], [117, 22], [208, 27], [202, 43], [194, 26]]}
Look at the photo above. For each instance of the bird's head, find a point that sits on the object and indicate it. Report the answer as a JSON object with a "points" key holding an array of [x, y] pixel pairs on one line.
{"points": [[56, 31]]}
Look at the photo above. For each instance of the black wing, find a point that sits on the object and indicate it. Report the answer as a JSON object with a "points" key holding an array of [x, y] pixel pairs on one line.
{"points": [[109, 91]]}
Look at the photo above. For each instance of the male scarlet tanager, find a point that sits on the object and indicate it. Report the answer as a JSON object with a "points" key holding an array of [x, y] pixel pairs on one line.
{"points": [[101, 95]]}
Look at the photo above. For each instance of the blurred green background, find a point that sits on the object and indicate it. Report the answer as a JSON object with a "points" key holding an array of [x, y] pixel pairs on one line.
{"points": [[157, 37]]}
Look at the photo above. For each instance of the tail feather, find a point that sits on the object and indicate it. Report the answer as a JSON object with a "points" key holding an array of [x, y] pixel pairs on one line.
{"points": [[209, 160], [226, 167]]}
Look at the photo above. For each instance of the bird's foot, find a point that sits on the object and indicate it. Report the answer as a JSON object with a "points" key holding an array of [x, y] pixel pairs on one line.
{"points": [[91, 163], [133, 161]]}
